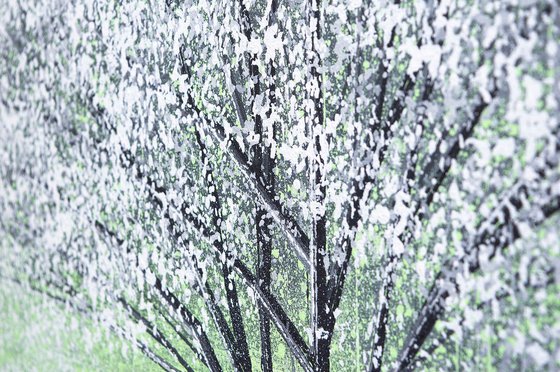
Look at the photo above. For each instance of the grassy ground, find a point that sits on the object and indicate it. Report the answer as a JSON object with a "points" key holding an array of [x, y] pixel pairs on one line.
{"points": [[39, 334]]}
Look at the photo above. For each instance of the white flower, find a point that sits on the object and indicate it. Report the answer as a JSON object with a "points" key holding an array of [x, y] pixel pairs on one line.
{"points": [[272, 41]]}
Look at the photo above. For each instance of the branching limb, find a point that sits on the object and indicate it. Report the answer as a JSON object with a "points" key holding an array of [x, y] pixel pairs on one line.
{"points": [[174, 303], [497, 233], [322, 318], [240, 347], [391, 265], [288, 225], [273, 308], [445, 337], [184, 338], [152, 331], [264, 163]]}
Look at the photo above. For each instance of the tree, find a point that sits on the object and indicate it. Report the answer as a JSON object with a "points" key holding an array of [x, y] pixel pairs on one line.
{"points": [[289, 185]]}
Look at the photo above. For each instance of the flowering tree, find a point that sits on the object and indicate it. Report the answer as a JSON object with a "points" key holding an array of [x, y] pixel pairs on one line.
{"points": [[291, 185]]}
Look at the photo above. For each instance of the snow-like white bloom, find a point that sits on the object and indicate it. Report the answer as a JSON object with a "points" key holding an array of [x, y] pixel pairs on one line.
{"points": [[342, 185]]}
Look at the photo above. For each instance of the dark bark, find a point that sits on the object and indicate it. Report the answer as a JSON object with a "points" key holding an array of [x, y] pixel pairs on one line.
{"points": [[264, 164], [239, 345], [322, 318], [86, 310], [439, 174], [174, 303], [287, 224], [157, 336], [504, 233]]}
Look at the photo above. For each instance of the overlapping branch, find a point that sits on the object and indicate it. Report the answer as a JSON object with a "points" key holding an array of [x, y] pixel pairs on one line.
{"points": [[242, 359], [445, 336], [501, 230], [173, 302], [274, 310], [322, 318]]}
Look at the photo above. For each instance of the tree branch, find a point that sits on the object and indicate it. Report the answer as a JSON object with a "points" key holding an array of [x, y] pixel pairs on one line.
{"points": [[504, 224], [264, 163], [184, 338], [176, 305], [322, 319], [445, 337], [288, 225], [282, 322], [152, 331], [389, 272], [86, 310], [441, 172], [240, 348]]}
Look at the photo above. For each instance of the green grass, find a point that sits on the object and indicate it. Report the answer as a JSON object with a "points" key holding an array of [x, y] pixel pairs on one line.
{"points": [[39, 334]]}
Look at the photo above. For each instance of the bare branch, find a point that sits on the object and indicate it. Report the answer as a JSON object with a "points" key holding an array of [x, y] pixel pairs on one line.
{"points": [[496, 234], [445, 337], [152, 331], [174, 302]]}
